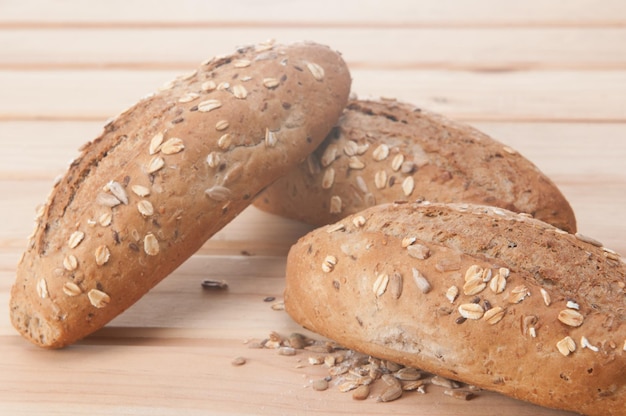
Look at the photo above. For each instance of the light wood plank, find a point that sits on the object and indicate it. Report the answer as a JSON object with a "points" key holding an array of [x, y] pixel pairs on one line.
{"points": [[521, 95], [365, 48], [320, 12]]}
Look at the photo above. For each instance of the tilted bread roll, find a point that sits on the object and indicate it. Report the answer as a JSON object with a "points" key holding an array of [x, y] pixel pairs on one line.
{"points": [[164, 176], [473, 293], [386, 151]]}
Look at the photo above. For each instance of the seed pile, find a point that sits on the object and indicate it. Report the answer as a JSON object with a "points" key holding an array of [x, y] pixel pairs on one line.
{"points": [[365, 377]]}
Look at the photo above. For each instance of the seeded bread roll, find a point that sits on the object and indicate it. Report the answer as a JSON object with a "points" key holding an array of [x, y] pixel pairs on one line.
{"points": [[386, 151], [473, 293], [164, 176]]}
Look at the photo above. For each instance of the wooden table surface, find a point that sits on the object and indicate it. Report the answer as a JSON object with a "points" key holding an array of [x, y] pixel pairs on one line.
{"points": [[547, 78]]}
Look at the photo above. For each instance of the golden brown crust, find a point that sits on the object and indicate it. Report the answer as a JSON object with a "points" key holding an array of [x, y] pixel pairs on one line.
{"points": [[164, 176], [386, 151], [545, 285]]}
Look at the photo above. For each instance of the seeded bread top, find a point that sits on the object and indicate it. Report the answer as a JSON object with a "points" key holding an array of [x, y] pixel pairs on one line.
{"points": [[386, 151], [164, 176], [474, 293]]}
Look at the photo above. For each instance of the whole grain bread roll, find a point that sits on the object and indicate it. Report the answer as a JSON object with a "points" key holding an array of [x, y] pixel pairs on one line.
{"points": [[164, 176], [386, 151], [473, 293]]}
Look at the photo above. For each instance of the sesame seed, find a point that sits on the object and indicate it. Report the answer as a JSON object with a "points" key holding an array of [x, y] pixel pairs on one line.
{"points": [[172, 146], [98, 298], [150, 244], [76, 238], [155, 143], [102, 255]]}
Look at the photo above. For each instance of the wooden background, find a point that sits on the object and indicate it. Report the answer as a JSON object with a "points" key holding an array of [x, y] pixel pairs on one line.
{"points": [[548, 78]]}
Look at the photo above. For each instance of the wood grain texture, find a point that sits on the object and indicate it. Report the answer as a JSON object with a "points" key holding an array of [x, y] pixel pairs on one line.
{"points": [[547, 78]]}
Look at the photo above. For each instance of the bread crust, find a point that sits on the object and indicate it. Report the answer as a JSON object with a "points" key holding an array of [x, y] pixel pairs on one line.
{"points": [[164, 176], [385, 151], [513, 341]]}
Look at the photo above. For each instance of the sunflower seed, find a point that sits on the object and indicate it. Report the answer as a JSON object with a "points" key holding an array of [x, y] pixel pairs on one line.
{"points": [[566, 346], [70, 262], [209, 105], [418, 251], [98, 298], [494, 315], [471, 311], [361, 392], [155, 143], [172, 146], [408, 374], [390, 393], [155, 164], [316, 70], [459, 394], [422, 284], [75, 239], [218, 193], [107, 200], [140, 190], [571, 317], [71, 289], [444, 382]]}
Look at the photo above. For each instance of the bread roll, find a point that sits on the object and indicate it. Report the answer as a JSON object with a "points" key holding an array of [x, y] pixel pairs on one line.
{"points": [[473, 293], [164, 176], [386, 151]]}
